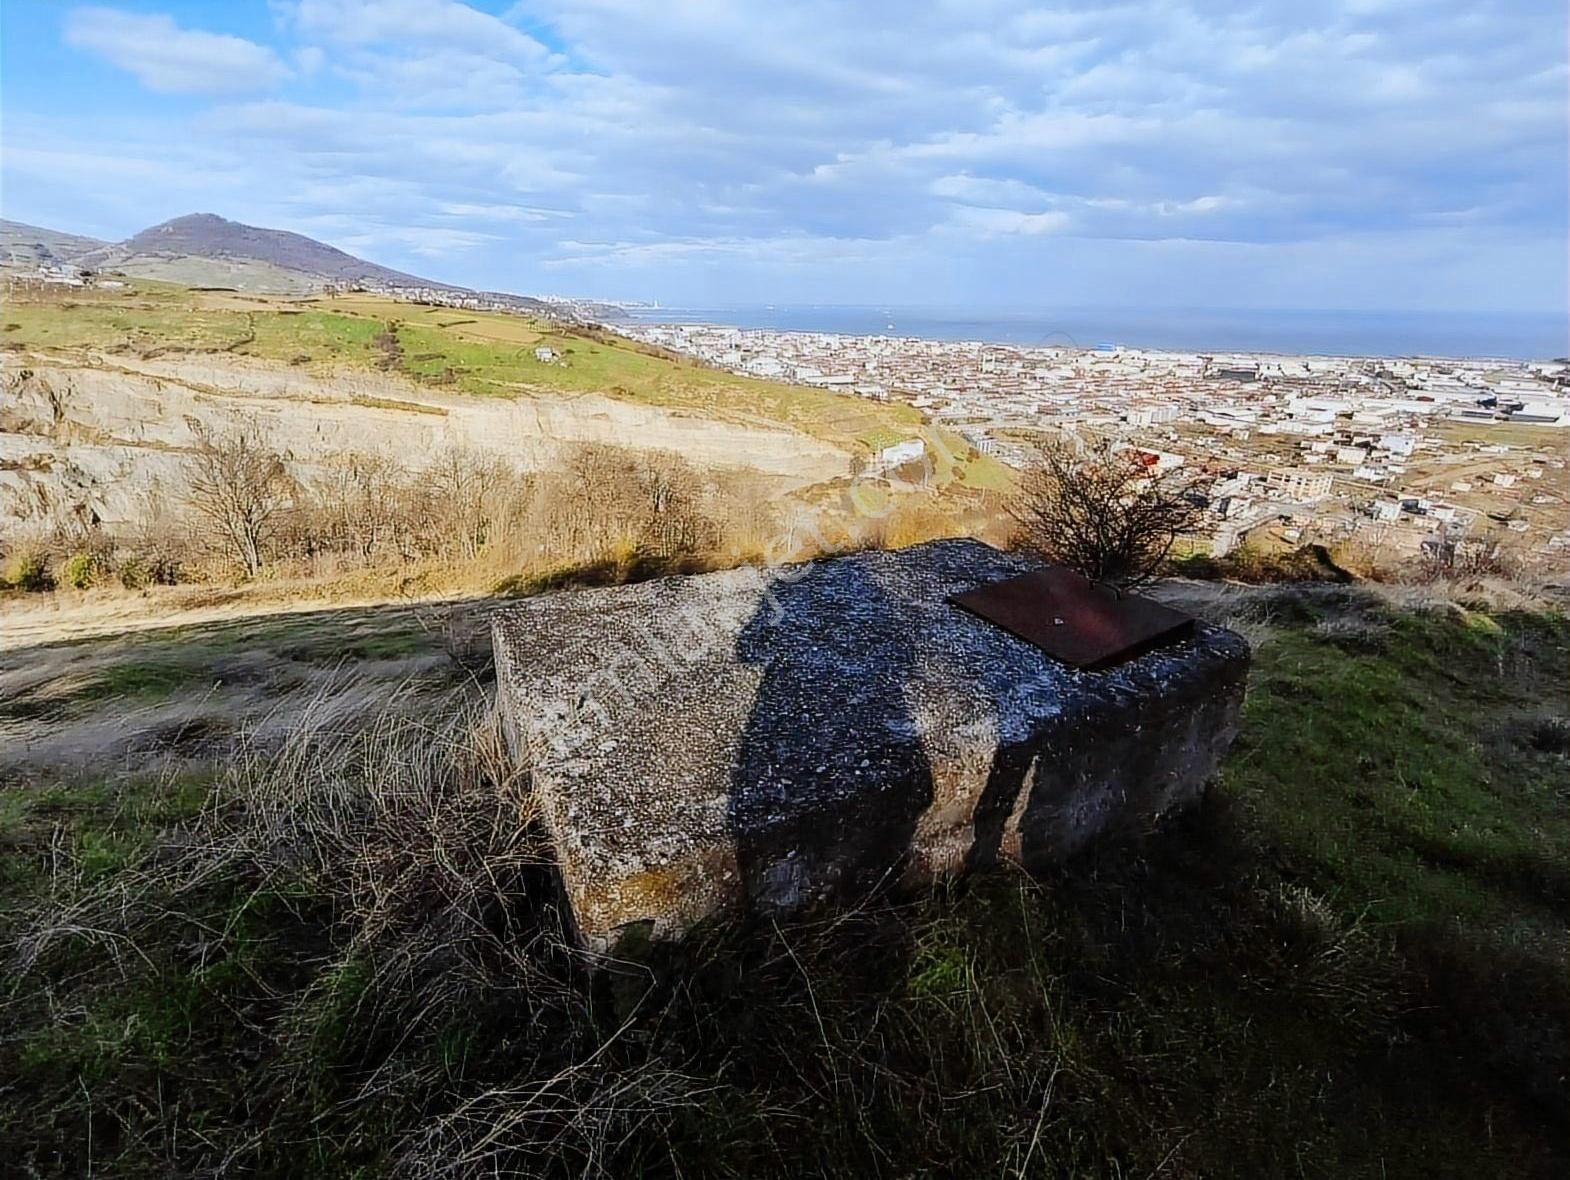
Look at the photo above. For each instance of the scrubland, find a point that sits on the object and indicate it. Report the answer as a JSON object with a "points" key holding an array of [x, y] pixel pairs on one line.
{"points": [[421, 451]]}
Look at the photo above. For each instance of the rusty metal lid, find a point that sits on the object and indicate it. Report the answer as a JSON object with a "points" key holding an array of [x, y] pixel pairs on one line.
{"points": [[1083, 623]]}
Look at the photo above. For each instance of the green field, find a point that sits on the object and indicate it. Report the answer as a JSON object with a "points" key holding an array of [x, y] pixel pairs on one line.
{"points": [[140, 319], [481, 354]]}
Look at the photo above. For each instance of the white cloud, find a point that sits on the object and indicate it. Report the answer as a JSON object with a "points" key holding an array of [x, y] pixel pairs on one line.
{"points": [[464, 209], [166, 58], [1010, 221], [415, 24], [734, 142], [447, 79], [978, 190], [1206, 204], [420, 241]]}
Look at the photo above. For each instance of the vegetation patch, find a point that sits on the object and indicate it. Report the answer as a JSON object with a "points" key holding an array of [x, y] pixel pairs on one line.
{"points": [[393, 403], [322, 645], [883, 437], [60, 836], [152, 679]]}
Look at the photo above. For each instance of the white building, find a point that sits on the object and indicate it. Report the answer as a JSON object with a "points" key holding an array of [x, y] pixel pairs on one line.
{"points": [[1156, 462], [899, 454], [1302, 486], [1398, 444], [1151, 415], [981, 440]]}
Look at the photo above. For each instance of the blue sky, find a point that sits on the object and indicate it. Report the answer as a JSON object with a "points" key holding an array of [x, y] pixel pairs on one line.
{"points": [[1377, 154]]}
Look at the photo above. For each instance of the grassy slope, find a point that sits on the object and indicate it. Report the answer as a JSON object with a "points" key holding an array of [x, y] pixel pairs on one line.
{"points": [[1351, 961], [479, 353]]}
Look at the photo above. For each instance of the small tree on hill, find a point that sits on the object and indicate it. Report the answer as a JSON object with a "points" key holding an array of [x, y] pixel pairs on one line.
{"points": [[1101, 512], [239, 485]]}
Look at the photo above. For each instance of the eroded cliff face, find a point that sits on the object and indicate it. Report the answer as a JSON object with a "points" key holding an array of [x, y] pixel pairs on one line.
{"points": [[93, 438]]}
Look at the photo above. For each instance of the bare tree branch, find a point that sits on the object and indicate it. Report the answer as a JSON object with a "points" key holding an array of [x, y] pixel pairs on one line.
{"points": [[1101, 511], [239, 485]]}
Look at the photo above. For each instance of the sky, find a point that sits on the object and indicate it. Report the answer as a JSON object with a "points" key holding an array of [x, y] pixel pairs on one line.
{"points": [[1388, 155]]}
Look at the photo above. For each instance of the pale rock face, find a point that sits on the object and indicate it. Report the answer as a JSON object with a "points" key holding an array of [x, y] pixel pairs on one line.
{"points": [[98, 439], [779, 739]]}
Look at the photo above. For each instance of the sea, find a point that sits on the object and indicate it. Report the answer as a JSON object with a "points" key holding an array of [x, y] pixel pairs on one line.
{"points": [[1517, 336]]}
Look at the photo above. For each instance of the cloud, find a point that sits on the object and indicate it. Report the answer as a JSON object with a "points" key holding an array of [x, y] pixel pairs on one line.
{"points": [[446, 79], [431, 24], [981, 190], [471, 212], [1010, 221], [421, 241], [1206, 204], [425, 54], [166, 58], [727, 146]]}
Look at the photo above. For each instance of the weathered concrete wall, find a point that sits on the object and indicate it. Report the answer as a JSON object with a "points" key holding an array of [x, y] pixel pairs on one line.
{"points": [[780, 738]]}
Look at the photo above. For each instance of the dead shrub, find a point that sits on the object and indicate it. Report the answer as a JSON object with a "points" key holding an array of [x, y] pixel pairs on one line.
{"points": [[1459, 559], [1303, 950], [238, 486], [1099, 511]]}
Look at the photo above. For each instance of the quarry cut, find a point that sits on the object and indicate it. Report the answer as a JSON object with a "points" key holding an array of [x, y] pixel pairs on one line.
{"points": [[777, 739]]}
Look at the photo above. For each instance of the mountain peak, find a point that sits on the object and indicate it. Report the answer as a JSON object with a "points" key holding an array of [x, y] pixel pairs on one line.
{"points": [[207, 235], [199, 249], [193, 219]]}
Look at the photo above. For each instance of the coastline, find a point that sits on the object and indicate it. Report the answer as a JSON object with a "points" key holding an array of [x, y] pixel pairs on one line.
{"points": [[1441, 335]]}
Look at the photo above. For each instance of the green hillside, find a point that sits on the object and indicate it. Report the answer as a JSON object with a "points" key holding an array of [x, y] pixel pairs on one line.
{"points": [[476, 353]]}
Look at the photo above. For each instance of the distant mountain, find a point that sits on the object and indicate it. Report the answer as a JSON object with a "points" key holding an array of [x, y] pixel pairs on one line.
{"points": [[30, 245], [216, 239], [205, 250]]}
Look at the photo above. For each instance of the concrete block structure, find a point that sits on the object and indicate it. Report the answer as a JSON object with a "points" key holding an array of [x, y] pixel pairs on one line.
{"points": [[779, 739]]}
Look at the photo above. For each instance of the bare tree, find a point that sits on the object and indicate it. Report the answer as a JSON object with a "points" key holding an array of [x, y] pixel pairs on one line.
{"points": [[460, 485], [361, 501], [670, 492], [1100, 511], [1452, 555], [239, 485]]}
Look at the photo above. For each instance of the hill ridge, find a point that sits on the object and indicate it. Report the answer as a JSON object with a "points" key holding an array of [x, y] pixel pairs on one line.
{"points": [[21, 243], [207, 235], [206, 249]]}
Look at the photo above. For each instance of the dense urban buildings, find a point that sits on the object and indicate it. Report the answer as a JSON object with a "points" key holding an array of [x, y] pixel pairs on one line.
{"points": [[1403, 455]]}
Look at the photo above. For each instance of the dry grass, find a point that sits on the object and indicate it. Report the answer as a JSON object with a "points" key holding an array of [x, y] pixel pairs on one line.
{"points": [[404, 844], [343, 953]]}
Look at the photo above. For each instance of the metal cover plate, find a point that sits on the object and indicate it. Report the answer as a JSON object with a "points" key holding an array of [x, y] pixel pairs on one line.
{"points": [[1083, 623]]}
